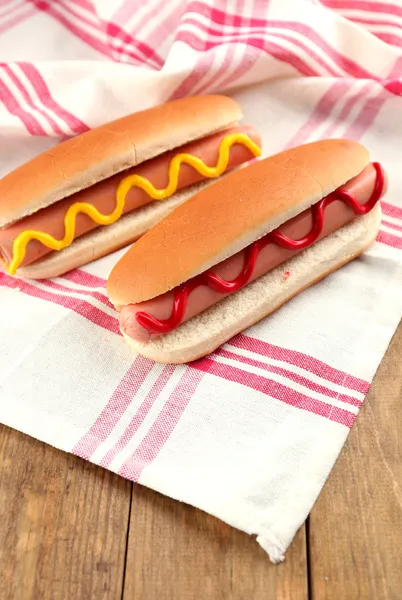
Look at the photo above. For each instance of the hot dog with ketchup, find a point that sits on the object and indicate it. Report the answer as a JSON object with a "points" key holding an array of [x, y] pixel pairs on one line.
{"points": [[238, 250], [99, 191]]}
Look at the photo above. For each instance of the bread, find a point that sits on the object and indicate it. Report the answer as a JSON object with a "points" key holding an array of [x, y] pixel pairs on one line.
{"points": [[199, 234], [84, 160], [207, 331]]}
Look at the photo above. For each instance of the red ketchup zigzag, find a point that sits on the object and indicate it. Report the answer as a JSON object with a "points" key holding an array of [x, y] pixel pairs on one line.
{"points": [[222, 286]]}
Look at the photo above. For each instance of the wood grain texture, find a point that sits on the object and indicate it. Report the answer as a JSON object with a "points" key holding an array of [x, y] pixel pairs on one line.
{"points": [[63, 524], [176, 551], [355, 534]]}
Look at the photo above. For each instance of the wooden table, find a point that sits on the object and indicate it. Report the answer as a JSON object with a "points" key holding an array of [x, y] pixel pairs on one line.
{"points": [[72, 531]]}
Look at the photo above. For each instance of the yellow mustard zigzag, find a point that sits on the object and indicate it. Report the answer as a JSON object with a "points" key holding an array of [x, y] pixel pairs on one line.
{"points": [[20, 243]]}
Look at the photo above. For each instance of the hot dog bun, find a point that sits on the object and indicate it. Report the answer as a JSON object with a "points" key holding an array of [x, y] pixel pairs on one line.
{"points": [[229, 215], [204, 333], [86, 173], [84, 160]]}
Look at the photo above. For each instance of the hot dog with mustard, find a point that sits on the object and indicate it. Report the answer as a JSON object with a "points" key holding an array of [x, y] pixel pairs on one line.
{"points": [[95, 193]]}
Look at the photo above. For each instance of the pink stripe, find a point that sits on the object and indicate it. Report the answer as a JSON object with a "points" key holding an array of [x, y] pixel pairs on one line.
{"points": [[280, 53], [75, 124], [85, 4], [219, 16], [276, 390], [116, 32], [270, 48], [366, 116], [148, 17], [391, 210], [366, 21], [89, 39], [389, 38], [292, 376], [80, 307], [396, 70], [318, 57], [275, 50], [11, 9], [121, 399], [223, 66], [11, 104], [201, 67], [163, 426], [346, 110], [140, 415], [57, 286], [394, 86], [125, 51], [379, 7], [84, 278], [323, 109], [246, 62], [29, 100], [166, 28], [303, 361], [392, 225], [161, 28], [84, 20], [248, 59], [245, 37], [345, 63], [340, 59], [17, 19], [123, 13], [389, 240]]}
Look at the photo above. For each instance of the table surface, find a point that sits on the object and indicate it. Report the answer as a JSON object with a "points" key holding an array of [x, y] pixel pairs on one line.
{"points": [[70, 530]]}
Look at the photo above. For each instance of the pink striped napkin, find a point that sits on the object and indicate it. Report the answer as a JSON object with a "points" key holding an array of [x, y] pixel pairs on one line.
{"points": [[249, 433]]}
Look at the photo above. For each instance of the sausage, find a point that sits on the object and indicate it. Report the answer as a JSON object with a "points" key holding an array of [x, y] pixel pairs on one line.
{"points": [[103, 194], [337, 214]]}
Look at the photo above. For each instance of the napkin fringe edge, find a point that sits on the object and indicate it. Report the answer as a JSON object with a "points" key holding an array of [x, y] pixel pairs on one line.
{"points": [[275, 552]]}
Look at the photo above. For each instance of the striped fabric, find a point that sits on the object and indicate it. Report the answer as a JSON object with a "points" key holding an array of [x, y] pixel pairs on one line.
{"points": [[250, 432]]}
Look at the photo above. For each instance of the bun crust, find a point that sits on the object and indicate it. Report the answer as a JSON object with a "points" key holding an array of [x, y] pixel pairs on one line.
{"points": [[202, 334], [231, 214], [83, 160]]}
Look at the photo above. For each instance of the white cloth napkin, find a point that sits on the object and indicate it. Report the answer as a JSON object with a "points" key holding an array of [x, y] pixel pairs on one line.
{"points": [[251, 432]]}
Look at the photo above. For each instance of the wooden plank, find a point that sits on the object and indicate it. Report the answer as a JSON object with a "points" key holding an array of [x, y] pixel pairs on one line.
{"points": [[63, 524], [176, 551], [356, 526]]}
